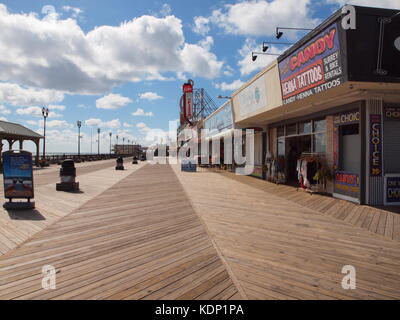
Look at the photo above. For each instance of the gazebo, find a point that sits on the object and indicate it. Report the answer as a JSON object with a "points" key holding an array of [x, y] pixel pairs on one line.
{"points": [[13, 132]]}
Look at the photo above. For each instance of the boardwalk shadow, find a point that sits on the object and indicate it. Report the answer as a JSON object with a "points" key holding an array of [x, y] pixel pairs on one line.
{"points": [[30, 214]]}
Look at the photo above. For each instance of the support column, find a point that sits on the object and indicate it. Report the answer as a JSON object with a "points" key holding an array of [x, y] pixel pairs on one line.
{"points": [[37, 142], [10, 144], [21, 144]]}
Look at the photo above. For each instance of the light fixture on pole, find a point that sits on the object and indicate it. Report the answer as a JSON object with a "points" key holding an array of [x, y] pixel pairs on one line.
{"points": [[265, 45], [128, 146], [45, 113], [254, 55], [79, 124], [110, 142], [98, 141], [280, 33], [223, 97], [116, 148], [123, 145]]}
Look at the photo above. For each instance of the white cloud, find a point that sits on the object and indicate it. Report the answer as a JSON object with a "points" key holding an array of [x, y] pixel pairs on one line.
{"points": [[56, 107], [140, 112], [201, 25], [234, 85], [165, 10], [95, 122], [149, 96], [389, 4], [261, 17], [4, 110], [26, 96], [74, 11], [57, 54], [247, 65], [206, 43], [127, 125], [36, 112], [112, 101], [3, 119], [55, 124]]}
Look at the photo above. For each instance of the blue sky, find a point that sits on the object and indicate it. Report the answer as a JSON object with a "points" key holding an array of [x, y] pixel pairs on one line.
{"points": [[119, 65]]}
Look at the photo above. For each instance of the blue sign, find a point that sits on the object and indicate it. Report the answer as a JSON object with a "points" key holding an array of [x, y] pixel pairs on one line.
{"points": [[17, 174], [392, 190], [188, 167]]}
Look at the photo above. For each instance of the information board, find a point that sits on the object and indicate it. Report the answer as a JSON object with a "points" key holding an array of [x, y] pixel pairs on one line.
{"points": [[17, 174]]}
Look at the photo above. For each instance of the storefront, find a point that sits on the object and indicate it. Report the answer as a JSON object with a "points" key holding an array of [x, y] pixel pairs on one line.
{"points": [[219, 134], [337, 128]]}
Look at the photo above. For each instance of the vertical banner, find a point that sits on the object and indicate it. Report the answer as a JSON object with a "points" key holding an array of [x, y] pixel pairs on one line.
{"points": [[187, 89], [375, 142], [17, 174]]}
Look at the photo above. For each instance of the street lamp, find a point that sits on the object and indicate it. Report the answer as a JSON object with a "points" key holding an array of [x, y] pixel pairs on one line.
{"points": [[110, 142], [45, 113], [123, 145], [115, 149], [280, 33], [254, 55], [79, 124], [128, 146], [265, 45], [98, 141]]}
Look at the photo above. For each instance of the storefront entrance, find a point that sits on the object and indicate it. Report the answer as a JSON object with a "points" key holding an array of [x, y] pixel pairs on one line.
{"points": [[295, 146]]}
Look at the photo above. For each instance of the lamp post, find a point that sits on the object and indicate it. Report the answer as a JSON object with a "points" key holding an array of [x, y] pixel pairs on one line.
{"points": [[45, 113], [79, 124], [254, 55], [280, 33], [98, 141], [128, 146], [110, 142], [123, 145], [115, 151]]}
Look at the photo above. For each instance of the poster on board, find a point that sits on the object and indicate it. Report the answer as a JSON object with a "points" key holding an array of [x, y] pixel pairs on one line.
{"points": [[18, 174]]}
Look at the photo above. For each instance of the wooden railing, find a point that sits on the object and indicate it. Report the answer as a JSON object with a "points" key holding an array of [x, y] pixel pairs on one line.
{"points": [[57, 159]]}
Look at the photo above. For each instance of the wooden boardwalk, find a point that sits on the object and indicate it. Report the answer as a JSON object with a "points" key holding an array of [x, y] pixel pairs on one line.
{"points": [[140, 239], [51, 205], [384, 221], [279, 249]]}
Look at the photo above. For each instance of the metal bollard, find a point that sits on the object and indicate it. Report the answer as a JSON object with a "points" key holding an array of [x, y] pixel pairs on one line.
{"points": [[67, 176], [120, 164]]}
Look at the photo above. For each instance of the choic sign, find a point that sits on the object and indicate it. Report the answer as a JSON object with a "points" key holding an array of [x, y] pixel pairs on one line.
{"points": [[313, 68], [375, 154], [187, 89], [17, 174], [392, 112], [392, 190]]}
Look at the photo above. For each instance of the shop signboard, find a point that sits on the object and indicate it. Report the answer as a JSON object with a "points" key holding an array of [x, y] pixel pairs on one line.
{"points": [[392, 190], [313, 68], [347, 183], [220, 121], [18, 174], [375, 145], [187, 89], [253, 97], [392, 112]]}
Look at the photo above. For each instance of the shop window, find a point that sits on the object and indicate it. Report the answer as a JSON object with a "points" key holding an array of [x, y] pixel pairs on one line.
{"points": [[391, 145], [349, 148], [291, 129], [319, 142], [320, 125], [281, 131], [305, 127], [281, 147]]}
